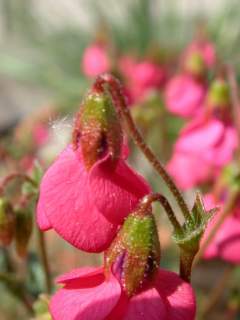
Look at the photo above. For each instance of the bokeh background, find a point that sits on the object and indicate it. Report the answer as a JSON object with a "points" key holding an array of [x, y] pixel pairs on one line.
{"points": [[41, 79]]}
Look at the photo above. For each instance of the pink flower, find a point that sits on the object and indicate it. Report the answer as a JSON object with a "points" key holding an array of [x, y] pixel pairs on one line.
{"points": [[184, 95], [202, 149], [141, 77], [87, 207], [89, 295], [40, 134], [226, 243], [205, 48], [95, 60]]}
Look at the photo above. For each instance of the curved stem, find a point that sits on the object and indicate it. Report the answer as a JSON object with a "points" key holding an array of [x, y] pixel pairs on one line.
{"points": [[44, 258], [229, 205], [118, 97], [15, 175], [152, 197]]}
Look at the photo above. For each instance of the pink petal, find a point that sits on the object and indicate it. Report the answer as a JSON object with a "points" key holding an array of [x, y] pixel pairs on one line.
{"points": [[201, 138], [146, 305], [178, 295], [95, 60], [184, 95], [117, 191], [85, 273], [42, 219], [66, 201], [95, 303], [188, 170]]}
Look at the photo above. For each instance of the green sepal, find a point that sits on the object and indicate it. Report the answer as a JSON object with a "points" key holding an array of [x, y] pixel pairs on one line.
{"points": [[193, 229]]}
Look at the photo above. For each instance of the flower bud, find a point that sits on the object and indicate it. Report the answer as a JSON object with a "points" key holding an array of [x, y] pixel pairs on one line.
{"points": [[134, 255], [219, 94], [7, 222], [195, 65], [98, 130], [24, 225]]}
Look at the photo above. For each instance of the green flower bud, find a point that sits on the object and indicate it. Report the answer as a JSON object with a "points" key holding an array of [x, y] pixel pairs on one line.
{"points": [[98, 129], [7, 222], [219, 94], [24, 226], [195, 65], [134, 255]]}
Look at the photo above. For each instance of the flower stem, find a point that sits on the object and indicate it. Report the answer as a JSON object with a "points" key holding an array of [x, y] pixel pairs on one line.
{"points": [[44, 258], [152, 197], [229, 205], [186, 262], [15, 175], [118, 97], [235, 98]]}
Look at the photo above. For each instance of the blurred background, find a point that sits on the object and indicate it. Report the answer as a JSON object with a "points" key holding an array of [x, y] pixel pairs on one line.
{"points": [[44, 75]]}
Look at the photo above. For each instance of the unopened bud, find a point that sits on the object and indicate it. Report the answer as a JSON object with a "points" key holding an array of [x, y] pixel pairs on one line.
{"points": [[195, 65], [134, 255], [219, 94], [98, 130], [24, 225], [7, 222]]}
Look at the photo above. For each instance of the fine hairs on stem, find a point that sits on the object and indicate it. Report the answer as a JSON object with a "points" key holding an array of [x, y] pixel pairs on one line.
{"points": [[114, 87]]}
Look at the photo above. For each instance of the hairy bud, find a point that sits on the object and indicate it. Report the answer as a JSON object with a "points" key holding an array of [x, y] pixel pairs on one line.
{"points": [[134, 255]]}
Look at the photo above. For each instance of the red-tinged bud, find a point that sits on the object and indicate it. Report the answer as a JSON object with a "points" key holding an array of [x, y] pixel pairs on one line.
{"points": [[195, 65], [7, 222], [98, 130], [219, 95], [24, 226], [134, 255]]}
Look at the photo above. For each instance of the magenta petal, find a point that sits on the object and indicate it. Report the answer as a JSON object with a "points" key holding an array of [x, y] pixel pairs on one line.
{"points": [[146, 305], [200, 138], [68, 206], [42, 219], [117, 191], [85, 274], [178, 295], [73, 303]]}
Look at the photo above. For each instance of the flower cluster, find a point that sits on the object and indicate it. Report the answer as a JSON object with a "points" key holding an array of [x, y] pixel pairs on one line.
{"points": [[94, 200]]}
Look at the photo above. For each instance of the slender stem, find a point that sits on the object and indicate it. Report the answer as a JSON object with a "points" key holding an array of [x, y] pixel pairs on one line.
{"points": [[118, 97], [147, 201], [44, 258], [235, 98], [217, 291], [229, 205], [15, 175], [186, 262]]}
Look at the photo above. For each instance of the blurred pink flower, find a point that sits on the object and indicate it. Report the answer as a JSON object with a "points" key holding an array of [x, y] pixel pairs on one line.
{"points": [[184, 95], [141, 77], [87, 207], [40, 134], [226, 243], [95, 60], [205, 48], [88, 295], [202, 149]]}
